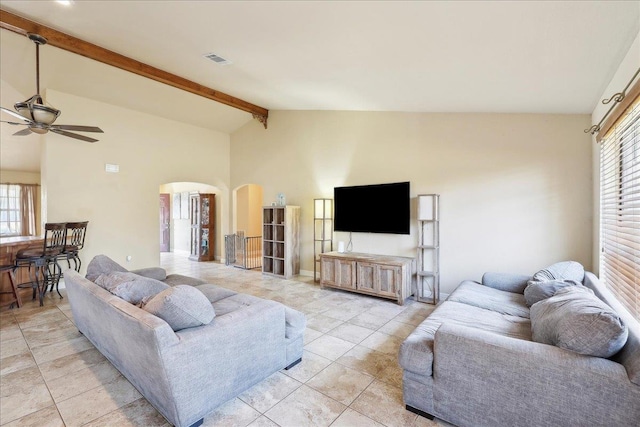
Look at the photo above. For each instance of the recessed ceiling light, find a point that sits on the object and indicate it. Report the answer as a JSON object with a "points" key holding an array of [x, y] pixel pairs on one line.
{"points": [[64, 2]]}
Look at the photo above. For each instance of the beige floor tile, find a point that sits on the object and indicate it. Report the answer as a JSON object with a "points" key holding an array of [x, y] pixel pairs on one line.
{"points": [[392, 374], [311, 364], [97, 402], [398, 329], [47, 417], [234, 413], [47, 334], [366, 360], [344, 312], [266, 394], [10, 332], [351, 333], [369, 320], [73, 384], [329, 347], [383, 403], [138, 413], [322, 323], [425, 422], [305, 407], [13, 347], [46, 315], [415, 314], [340, 383], [263, 422], [383, 343], [70, 364], [47, 353], [351, 418], [22, 393], [15, 363], [310, 335]]}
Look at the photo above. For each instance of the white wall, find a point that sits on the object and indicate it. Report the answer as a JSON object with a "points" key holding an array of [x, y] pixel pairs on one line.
{"points": [[623, 74], [122, 208], [515, 188]]}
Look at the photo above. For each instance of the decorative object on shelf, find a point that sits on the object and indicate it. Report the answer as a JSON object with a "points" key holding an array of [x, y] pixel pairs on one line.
{"points": [[281, 241], [428, 280], [378, 275], [281, 200], [203, 213], [322, 232]]}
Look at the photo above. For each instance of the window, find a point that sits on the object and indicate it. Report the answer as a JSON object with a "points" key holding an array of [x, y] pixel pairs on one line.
{"points": [[10, 218], [620, 209]]}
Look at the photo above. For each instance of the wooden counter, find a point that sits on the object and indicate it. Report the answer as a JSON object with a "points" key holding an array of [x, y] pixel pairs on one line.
{"points": [[9, 247]]}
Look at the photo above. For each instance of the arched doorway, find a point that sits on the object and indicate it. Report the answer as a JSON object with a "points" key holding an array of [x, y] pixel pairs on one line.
{"points": [[175, 222]]}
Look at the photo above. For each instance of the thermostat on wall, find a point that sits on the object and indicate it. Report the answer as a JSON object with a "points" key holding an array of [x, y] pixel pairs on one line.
{"points": [[111, 168]]}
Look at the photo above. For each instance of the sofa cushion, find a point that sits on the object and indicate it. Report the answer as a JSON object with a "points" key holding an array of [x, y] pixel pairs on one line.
{"points": [[539, 290], [129, 286], [182, 307], [416, 352], [179, 279], [481, 296], [215, 293], [575, 319], [234, 302], [566, 270], [102, 264]]}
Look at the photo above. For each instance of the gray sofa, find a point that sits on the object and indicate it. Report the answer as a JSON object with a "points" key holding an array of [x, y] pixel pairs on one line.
{"points": [[473, 362], [187, 374]]}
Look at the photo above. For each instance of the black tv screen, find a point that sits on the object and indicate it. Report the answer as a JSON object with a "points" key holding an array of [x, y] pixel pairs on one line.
{"points": [[382, 208]]}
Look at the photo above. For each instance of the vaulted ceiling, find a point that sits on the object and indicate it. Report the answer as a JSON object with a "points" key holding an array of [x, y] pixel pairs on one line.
{"points": [[421, 56]]}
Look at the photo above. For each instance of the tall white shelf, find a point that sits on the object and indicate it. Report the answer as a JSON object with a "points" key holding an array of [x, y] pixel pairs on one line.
{"points": [[428, 280], [322, 232]]}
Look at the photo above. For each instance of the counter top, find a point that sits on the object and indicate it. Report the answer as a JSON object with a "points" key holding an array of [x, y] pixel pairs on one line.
{"points": [[20, 240]]}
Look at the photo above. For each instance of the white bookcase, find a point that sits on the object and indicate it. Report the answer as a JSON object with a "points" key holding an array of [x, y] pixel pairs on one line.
{"points": [[428, 276]]}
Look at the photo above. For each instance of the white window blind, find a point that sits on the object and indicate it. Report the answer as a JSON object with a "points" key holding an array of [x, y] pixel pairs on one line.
{"points": [[620, 209]]}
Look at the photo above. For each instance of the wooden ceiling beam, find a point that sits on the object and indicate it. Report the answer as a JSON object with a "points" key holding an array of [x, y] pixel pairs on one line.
{"points": [[20, 25]]}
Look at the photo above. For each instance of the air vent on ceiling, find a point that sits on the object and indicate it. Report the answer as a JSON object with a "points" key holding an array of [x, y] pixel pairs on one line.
{"points": [[217, 59]]}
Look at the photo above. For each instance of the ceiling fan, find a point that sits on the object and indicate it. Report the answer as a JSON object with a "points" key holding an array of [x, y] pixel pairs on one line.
{"points": [[39, 117]]}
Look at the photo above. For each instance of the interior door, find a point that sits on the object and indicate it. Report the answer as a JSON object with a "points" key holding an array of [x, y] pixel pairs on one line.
{"points": [[165, 219]]}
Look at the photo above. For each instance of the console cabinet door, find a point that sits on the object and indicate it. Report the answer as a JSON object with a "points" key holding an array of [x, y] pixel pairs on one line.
{"points": [[366, 277], [328, 271], [388, 279], [346, 274]]}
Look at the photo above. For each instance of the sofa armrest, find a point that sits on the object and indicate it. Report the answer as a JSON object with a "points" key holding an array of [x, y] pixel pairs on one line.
{"points": [[506, 281], [157, 273], [530, 383]]}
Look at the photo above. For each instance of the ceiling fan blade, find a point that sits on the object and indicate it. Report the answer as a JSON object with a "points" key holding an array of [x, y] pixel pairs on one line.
{"points": [[78, 128], [73, 135], [14, 114], [23, 132], [14, 123]]}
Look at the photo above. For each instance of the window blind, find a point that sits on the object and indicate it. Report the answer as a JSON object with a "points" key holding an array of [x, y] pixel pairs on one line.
{"points": [[620, 209]]}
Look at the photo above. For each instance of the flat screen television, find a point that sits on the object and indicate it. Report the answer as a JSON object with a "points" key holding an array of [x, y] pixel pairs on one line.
{"points": [[381, 208]]}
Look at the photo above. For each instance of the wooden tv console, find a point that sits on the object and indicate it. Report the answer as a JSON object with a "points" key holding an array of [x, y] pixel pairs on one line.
{"points": [[380, 275]]}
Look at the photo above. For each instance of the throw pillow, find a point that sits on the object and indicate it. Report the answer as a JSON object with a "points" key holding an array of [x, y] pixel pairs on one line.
{"points": [[129, 286], [575, 319], [182, 307], [537, 291], [102, 264], [566, 270]]}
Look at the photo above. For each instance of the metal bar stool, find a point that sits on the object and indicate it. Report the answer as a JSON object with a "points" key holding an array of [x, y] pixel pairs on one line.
{"points": [[74, 242], [44, 261], [8, 270]]}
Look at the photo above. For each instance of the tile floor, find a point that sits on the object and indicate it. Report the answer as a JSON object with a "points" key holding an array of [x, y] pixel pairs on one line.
{"points": [[50, 375]]}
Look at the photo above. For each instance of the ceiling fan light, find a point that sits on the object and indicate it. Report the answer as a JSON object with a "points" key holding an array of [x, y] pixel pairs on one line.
{"points": [[33, 109]]}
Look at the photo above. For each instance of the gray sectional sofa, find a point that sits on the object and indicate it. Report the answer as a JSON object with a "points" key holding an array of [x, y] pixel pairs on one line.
{"points": [[473, 362], [186, 374]]}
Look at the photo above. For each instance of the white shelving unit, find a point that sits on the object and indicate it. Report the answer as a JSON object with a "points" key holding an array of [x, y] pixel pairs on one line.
{"points": [[322, 232], [281, 241], [428, 280]]}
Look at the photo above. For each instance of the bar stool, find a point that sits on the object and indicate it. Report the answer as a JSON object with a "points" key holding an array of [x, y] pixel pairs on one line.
{"points": [[44, 261], [76, 232], [8, 270]]}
